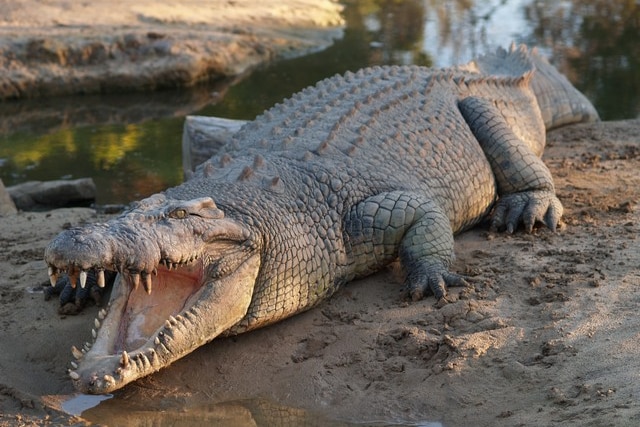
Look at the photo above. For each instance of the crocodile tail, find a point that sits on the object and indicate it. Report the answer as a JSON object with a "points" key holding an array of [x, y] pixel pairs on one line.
{"points": [[560, 103]]}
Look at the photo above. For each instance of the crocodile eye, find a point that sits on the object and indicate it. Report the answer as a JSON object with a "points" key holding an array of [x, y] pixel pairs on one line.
{"points": [[179, 213]]}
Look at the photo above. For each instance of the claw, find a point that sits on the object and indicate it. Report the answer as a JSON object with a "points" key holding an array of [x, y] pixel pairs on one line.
{"points": [[526, 208], [437, 281]]}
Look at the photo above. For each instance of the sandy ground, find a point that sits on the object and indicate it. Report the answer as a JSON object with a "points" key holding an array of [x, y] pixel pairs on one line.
{"points": [[548, 333], [52, 47]]}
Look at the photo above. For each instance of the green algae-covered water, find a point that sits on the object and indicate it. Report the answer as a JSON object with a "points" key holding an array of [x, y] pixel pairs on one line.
{"points": [[130, 144]]}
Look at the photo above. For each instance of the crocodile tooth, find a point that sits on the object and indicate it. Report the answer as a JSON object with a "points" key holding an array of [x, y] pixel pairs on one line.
{"points": [[155, 271], [147, 283], [77, 354], [74, 365], [87, 345], [144, 359], [74, 375], [102, 314], [125, 359], [94, 334], [109, 378], [96, 322], [83, 279], [101, 278], [53, 276], [135, 279], [172, 320], [167, 324], [156, 341]]}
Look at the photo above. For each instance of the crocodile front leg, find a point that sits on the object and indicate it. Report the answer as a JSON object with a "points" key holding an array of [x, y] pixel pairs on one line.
{"points": [[525, 184], [409, 226]]}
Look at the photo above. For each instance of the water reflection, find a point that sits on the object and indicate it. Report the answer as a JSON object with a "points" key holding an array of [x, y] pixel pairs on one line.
{"points": [[241, 413], [598, 45], [130, 145]]}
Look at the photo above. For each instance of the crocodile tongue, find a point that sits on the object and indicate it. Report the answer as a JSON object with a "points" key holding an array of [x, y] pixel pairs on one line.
{"points": [[142, 313]]}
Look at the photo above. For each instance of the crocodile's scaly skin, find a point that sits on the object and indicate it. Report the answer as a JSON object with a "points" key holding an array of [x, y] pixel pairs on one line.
{"points": [[333, 184]]}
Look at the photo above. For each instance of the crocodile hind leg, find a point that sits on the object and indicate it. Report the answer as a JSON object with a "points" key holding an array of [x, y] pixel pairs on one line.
{"points": [[408, 226], [525, 185]]}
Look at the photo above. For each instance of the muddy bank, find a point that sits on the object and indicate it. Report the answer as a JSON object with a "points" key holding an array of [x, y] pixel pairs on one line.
{"points": [[58, 47], [547, 334]]}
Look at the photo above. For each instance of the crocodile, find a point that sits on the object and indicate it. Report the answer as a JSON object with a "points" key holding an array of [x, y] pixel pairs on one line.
{"points": [[330, 185]]}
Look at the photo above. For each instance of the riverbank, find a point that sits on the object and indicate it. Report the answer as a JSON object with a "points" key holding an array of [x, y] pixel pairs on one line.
{"points": [[57, 47], [546, 335]]}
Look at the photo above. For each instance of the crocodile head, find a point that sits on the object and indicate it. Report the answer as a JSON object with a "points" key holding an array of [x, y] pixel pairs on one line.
{"points": [[186, 275]]}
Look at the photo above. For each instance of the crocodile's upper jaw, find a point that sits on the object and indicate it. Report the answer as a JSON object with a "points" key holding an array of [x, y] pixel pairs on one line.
{"points": [[138, 334]]}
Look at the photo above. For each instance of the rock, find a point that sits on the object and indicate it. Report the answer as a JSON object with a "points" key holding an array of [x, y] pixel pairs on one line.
{"points": [[38, 195], [202, 137], [7, 207]]}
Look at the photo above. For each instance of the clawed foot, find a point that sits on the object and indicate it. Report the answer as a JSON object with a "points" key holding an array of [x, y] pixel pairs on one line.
{"points": [[527, 208], [434, 279]]}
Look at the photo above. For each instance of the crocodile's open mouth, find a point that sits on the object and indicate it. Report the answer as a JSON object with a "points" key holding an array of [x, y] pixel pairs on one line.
{"points": [[141, 314], [145, 328], [137, 325]]}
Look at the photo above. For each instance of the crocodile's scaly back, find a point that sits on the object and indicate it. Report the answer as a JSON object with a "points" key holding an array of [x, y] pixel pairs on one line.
{"points": [[559, 102]]}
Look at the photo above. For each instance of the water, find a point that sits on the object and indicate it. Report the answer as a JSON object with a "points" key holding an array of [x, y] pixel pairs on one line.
{"points": [[78, 403], [173, 412], [130, 144]]}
